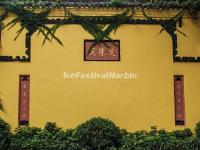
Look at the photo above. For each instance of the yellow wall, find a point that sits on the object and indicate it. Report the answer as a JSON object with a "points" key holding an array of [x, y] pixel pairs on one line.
{"points": [[131, 104]]}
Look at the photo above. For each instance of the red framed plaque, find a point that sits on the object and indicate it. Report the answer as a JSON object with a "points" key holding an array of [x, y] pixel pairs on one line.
{"points": [[24, 96], [179, 100], [102, 51]]}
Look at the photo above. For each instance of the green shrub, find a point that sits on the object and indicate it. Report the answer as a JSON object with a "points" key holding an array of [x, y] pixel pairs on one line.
{"points": [[133, 140], [116, 2], [182, 134], [51, 127], [26, 138], [5, 135], [98, 134], [72, 140], [31, 138], [160, 139], [197, 129], [53, 138]]}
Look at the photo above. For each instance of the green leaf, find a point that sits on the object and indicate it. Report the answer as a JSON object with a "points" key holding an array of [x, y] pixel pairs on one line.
{"points": [[53, 36], [1, 106], [14, 21], [19, 32]]}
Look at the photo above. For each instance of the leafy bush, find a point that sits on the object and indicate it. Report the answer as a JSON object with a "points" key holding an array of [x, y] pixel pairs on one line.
{"points": [[197, 129], [160, 139], [51, 127], [182, 134], [98, 134], [31, 138], [53, 138], [26, 138], [133, 140], [116, 2], [5, 135]]}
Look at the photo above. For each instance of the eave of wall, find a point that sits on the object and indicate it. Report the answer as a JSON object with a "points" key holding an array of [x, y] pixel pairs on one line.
{"points": [[155, 13]]}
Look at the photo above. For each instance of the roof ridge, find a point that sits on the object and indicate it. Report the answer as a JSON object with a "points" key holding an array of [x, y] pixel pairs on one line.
{"points": [[104, 3]]}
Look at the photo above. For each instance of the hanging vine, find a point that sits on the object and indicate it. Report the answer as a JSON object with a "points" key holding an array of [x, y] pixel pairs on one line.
{"points": [[2, 17], [36, 22], [169, 26], [32, 22], [101, 31]]}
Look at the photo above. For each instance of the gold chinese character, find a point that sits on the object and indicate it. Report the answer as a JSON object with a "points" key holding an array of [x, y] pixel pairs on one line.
{"points": [[24, 116], [24, 86], [101, 52], [179, 93], [179, 115], [24, 93], [179, 100], [24, 101], [178, 86], [111, 52], [24, 108], [92, 52]]}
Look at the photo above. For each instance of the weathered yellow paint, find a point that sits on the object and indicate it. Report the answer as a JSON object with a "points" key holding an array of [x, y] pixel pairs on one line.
{"points": [[131, 104]]}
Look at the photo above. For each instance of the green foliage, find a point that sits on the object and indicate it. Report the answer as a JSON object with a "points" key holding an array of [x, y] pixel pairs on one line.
{"points": [[31, 21], [170, 25], [1, 106], [72, 140], [101, 32], [97, 134], [31, 138], [5, 135], [197, 129], [160, 140], [53, 138], [26, 138], [51, 127], [116, 2], [182, 134]]}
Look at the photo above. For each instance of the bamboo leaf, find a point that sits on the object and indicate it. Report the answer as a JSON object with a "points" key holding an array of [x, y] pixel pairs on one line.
{"points": [[182, 32], [1, 106], [47, 34], [14, 21], [145, 15], [13, 24], [53, 36], [19, 32], [41, 30], [90, 49], [171, 22], [55, 28]]}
